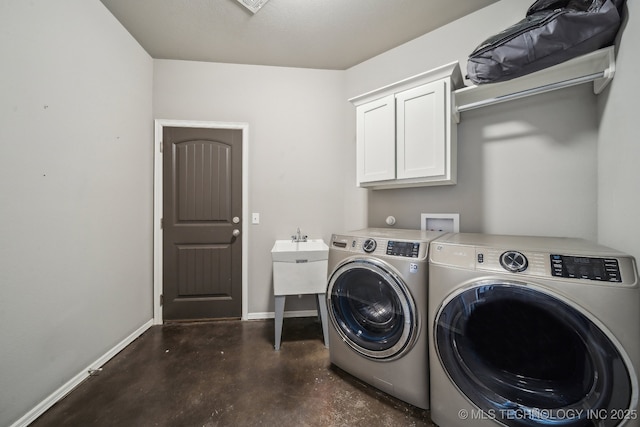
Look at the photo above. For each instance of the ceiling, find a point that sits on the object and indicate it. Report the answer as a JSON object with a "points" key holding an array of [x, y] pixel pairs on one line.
{"points": [[324, 34]]}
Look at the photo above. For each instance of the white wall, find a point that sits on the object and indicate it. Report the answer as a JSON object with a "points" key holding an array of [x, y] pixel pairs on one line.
{"points": [[524, 167], [619, 146], [76, 194], [300, 163]]}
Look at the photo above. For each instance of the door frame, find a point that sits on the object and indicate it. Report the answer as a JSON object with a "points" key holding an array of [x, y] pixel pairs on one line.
{"points": [[158, 199]]}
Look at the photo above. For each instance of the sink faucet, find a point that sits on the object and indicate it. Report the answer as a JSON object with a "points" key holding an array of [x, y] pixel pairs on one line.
{"points": [[298, 237]]}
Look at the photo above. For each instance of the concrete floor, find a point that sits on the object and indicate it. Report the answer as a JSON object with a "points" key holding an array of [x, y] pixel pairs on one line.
{"points": [[227, 374]]}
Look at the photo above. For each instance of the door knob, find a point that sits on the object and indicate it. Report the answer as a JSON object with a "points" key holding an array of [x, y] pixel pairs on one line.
{"points": [[236, 233]]}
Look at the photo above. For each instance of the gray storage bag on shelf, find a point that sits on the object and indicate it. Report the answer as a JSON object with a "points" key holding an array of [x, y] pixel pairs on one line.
{"points": [[552, 32]]}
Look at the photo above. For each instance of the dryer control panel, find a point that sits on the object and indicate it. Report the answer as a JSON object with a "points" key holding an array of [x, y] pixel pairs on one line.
{"points": [[575, 267], [562, 259]]}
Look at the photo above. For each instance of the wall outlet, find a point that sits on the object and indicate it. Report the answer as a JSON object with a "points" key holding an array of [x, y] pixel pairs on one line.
{"points": [[255, 218], [449, 222]]}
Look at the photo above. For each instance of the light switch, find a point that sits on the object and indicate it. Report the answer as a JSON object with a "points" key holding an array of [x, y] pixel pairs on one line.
{"points": [[255, 218]]}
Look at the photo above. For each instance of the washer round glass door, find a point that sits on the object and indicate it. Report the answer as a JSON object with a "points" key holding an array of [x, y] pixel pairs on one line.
{"points": [[528, 358], [372, 309]]}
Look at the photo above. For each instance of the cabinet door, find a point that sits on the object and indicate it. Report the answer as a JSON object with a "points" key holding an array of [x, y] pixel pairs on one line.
{"points": [[421, 131], [376, 149]]}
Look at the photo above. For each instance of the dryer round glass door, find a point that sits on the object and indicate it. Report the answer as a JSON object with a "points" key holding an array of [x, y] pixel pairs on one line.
{"points": [[372, 309], [528, 358]]}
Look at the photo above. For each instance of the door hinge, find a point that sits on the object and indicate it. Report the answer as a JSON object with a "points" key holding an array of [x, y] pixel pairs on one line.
{"points": [[161, 300], [161, 146], [161, 223]]}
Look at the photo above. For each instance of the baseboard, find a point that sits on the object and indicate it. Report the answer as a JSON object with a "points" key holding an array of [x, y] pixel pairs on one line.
{"points": [[272, 315], [54, 397]]}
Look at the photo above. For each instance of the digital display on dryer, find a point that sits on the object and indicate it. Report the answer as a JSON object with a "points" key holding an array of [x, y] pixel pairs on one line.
{"points": [[406, 249], [575, 267]]}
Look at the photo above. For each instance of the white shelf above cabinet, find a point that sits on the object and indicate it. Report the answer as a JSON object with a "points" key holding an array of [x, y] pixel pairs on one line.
{"points": [[597, 67]]}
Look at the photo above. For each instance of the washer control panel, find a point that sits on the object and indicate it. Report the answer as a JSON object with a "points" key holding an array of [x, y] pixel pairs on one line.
{"points": [[405, 249], [381, 246], [369, 246], [575, 267]]}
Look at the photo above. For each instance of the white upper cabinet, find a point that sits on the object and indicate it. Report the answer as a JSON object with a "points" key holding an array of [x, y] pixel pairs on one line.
{"points": [[375, 128], [406, 135], [421, 132]]}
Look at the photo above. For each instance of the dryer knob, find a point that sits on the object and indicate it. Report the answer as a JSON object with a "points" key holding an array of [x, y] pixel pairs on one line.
{"points": [[369, 245], [514, 261]]}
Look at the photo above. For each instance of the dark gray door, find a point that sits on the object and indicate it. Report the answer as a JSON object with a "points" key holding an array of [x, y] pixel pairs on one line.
{"points": [[202, 227]]}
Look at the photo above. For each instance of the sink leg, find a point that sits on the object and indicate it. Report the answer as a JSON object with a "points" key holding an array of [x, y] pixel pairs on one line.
{"points": [[322, 304], [280, 299]]}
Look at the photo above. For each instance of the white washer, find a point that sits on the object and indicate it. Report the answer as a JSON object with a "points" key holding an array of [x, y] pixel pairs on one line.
{"points": [[377, 301], [532, 331]]}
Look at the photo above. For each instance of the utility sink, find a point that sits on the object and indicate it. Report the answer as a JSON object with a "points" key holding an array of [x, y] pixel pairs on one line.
{"points": [[299, 268], [300, 252]]}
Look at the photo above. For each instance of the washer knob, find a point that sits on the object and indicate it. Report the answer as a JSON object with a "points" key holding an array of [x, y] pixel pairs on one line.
{"points": [[369, 245], [514, 261]]}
